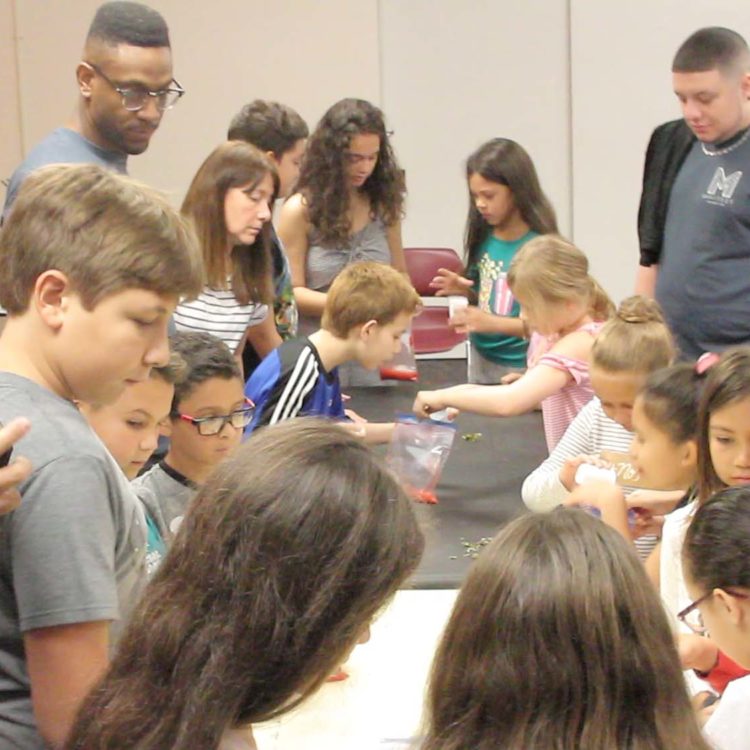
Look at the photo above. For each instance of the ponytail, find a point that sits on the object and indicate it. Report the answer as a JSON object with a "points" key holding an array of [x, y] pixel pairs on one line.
{"points": [[601, 306]]}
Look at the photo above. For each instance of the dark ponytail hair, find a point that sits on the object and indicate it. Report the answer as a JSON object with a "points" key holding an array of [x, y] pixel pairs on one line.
{"points": [[670, 400]]}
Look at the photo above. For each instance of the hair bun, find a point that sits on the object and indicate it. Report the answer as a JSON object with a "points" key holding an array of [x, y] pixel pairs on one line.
{"points": [[640, 309]]}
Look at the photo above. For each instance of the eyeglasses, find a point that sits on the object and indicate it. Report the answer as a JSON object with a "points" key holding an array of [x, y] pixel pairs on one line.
{"points": [[134, 98], [208, 426], [691, 615]]}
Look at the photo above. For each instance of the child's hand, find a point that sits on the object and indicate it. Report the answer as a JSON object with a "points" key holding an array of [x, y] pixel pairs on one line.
{"points": [[601, 495], [656, 502], [354, 416], [697, 652], [18, 470], [570, 467], [702, 711], [646, 524], [427, 402], [448, 282], [511, 377]]}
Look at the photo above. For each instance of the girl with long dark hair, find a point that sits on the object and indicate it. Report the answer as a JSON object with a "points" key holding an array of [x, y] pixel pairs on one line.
{"points": [[507, 208], [348, 207], [283, 559]]}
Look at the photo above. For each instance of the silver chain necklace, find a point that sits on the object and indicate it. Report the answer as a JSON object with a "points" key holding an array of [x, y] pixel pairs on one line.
{"points": [[727, 149]]}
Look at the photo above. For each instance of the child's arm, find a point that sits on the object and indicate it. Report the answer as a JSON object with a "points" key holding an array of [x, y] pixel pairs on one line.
{"points": [[473, 320], [496, 400], [66, 583], [64, 663], [548, 485], [371, 432], [294, 226], [263, 337]]}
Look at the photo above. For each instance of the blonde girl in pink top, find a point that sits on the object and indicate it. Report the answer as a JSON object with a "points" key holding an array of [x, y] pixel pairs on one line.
{"points": [[565, 308]]}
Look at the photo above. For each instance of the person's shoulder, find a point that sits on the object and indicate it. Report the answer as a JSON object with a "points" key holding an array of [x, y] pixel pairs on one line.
{"points": [[58, 429], [574, 345], [292, 351], [294, 208], [672, 133], [60, 146]]}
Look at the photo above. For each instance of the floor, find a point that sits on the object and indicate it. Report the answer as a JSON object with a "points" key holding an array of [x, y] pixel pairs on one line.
{"points": [[380, 706]]}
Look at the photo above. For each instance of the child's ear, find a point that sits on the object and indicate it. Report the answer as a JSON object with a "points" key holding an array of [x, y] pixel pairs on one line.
{"points": [[689, 456], [731, 606], [368, 329], [51, 296]]}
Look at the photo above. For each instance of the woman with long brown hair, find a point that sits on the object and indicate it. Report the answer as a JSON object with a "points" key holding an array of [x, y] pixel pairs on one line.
{"points": [[558, 642], [230, 201], [283, 559], [348, 207]]}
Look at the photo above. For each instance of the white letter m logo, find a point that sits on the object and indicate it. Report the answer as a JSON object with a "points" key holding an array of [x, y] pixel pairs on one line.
{"points": [[725, 185]]}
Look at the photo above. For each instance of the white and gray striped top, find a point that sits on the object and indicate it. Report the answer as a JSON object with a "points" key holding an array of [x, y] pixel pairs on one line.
{"points": [[218, 312]]}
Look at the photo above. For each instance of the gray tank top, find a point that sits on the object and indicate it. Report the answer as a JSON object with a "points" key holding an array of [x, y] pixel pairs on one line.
{"points": [[325, 263]]}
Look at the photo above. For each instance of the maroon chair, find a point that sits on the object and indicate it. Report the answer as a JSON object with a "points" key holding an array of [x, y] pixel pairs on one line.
{"points": [[431, 332]]}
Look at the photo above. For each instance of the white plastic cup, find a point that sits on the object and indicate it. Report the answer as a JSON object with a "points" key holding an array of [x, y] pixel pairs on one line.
{"points": [[588, 473], [456, 302]]}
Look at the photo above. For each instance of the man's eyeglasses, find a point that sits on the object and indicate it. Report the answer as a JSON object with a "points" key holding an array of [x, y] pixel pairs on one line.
{"points": [[691, 615], [135, 97], [207, 426]]}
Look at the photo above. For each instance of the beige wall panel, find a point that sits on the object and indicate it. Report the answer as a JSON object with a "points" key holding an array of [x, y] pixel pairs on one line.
{"points": [[10, 121], [457, 73]]}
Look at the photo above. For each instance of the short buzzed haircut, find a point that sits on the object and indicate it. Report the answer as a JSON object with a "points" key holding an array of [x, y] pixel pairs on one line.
{"points": [[269, 126], [205, 357], [712, 48], [123, 22]]}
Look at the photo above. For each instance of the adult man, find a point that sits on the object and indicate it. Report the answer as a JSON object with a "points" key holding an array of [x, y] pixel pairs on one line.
{"points": [[125, 84], [694, 217]]}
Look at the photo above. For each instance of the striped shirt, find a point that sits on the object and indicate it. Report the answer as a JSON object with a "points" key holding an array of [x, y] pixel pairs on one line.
{"points": [[291, 381], [217, 311], [591, 433]]}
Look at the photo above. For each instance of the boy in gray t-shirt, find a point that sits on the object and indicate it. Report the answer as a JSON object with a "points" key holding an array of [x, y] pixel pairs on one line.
{"points": [[93, 265], [209, 414]]}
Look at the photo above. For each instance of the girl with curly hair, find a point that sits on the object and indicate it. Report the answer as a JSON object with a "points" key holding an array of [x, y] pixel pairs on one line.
{"points": [[348, 207]]}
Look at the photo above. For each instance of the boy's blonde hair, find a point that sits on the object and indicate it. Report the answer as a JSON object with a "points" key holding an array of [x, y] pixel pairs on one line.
{"points": [[367, 291], [549, 270], [636, 339], [105, 232]]}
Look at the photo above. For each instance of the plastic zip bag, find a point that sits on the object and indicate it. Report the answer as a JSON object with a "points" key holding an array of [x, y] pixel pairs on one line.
{"points": [[417, 454]]}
